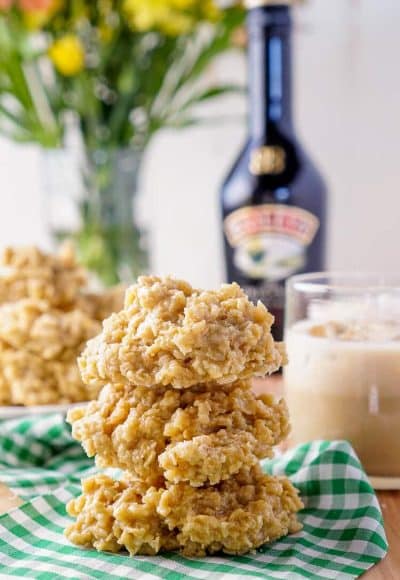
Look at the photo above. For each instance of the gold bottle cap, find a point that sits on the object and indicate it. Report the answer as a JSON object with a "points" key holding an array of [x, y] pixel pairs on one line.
{"points": [[249, 4]]}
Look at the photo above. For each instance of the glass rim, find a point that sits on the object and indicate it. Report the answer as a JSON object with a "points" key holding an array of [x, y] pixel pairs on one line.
{"points": [[343, 280]]}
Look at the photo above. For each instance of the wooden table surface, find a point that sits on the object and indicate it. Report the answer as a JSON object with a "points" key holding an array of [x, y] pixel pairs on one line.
{"points": [[388, 569]]}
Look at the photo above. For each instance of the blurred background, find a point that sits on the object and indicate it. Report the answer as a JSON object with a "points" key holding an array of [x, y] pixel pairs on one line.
{"points": [[347, 93]]}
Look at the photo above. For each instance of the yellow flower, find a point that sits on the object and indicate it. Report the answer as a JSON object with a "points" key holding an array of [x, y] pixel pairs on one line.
{"points": [[35, 20], [37, 13], [211, 11], [68, 55], [143, 15], [178, 24], [169, 16], [182, 4]]}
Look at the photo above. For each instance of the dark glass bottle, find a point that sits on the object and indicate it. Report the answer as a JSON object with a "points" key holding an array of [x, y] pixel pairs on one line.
{"points": [[274, 199]]}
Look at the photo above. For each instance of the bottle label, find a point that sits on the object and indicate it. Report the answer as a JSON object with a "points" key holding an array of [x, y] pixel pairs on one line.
{"points": [[270, 240]]}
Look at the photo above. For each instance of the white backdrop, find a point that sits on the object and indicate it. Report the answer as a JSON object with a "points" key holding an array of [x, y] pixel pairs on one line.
{"points": [[347, 110]]}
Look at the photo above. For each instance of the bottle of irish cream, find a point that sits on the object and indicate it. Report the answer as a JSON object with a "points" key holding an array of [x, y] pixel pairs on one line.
{"points": [[274, 199]]}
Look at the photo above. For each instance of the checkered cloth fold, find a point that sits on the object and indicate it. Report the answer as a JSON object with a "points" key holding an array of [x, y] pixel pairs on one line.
{"points": [[342, 532]]}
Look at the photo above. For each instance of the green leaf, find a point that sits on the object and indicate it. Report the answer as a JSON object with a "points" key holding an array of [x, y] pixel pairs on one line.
{"points": [[10, 116], [211, 93], [219, 42], [213, 120], [197, 55]]}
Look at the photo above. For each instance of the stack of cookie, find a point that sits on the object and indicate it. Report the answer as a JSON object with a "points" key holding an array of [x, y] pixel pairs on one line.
{"points": [[177, 414], [46, 318]]}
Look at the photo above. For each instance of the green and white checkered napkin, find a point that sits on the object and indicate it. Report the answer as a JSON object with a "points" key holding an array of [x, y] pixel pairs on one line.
{"points": [[342, 536]]}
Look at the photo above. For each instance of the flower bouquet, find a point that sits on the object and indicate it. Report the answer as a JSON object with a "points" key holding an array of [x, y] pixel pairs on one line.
{"points": [[119, 71]]}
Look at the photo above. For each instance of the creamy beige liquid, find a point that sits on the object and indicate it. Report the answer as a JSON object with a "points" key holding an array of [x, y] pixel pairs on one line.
{"points": [[345, 384]]}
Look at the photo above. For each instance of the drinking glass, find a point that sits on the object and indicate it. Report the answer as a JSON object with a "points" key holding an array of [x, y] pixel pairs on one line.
{"points": [[343, 377]]}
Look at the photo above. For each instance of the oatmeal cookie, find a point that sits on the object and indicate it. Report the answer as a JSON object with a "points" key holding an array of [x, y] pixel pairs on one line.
{"points": [[5, 394], [39, 347], [209, 458], [113, 515], [130, 427], [171, 334], [32, 380], [46, 317], [30, 325], [234, 517], [30, 273]]}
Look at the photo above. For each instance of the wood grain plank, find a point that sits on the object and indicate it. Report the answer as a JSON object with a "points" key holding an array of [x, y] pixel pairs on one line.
{"points": [[8, 499], [389, 568]]}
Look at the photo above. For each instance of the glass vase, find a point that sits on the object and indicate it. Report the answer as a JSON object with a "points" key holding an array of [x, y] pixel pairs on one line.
{"points": [[92, 199]]}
